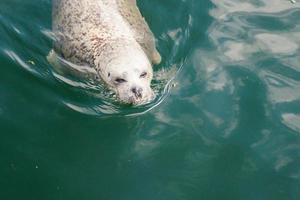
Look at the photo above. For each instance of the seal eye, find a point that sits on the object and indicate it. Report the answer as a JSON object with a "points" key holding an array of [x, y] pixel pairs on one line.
{"points": [[120, 80], [143, 75]]}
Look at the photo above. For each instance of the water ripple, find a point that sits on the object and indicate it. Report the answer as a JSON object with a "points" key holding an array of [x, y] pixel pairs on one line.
{"points": [[28, 42]]}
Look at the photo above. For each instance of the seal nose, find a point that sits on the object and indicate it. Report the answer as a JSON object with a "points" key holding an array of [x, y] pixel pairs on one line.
{"points": [[137, 92]]}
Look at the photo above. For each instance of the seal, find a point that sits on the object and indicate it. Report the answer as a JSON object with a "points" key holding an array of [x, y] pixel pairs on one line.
{"points": [[112, 37]]}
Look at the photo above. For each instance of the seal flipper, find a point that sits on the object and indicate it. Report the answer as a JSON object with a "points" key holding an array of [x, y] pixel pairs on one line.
{"points": [[142, 33]]}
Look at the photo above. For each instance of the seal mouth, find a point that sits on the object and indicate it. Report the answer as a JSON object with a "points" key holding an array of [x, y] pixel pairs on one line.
{"points": [[137, 101], [133, 96]]}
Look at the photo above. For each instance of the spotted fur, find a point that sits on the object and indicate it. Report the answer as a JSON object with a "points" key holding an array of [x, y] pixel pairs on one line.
{"points": [[86, 29], [105, 35]]}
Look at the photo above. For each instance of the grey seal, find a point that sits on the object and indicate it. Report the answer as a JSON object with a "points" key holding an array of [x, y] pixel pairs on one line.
{"points": [[112, 37]]}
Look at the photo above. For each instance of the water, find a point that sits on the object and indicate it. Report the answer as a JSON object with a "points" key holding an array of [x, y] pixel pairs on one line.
{"points": [[225, 124]]}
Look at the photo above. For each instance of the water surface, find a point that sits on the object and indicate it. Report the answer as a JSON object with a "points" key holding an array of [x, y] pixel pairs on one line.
{"points": [[225, 124]]}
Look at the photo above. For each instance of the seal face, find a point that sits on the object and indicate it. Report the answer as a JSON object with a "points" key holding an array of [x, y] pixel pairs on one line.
{"points": [[130, 76], [112, 37]]}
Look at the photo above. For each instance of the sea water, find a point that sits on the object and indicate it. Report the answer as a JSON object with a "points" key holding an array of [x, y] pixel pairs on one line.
{"points": [[225, 124]]}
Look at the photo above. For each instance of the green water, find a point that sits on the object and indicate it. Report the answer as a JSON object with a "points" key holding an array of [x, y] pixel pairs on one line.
{"points": [[227, 126]]}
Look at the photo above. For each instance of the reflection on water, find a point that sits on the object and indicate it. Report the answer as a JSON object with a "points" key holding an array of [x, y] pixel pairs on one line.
{"points": [[225, 124], [244, 87]]}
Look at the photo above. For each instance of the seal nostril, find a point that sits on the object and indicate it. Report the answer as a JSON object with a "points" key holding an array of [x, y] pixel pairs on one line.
{"points": [[134, 90], [137, 92]]}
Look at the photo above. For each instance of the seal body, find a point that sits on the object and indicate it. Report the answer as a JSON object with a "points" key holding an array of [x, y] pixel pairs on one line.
{"points": [[110, 36]]}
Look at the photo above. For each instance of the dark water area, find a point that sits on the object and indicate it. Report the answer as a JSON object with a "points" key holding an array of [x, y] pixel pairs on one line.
{"points": [[225, 124]]}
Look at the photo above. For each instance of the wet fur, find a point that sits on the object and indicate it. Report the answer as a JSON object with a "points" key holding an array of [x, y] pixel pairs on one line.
{"points": [[110, 36]]}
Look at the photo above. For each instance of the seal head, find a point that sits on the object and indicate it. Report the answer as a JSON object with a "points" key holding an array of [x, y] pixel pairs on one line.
{"points": [[130, 77]]}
